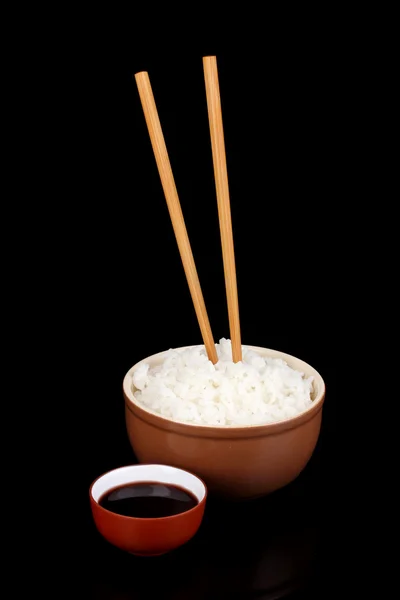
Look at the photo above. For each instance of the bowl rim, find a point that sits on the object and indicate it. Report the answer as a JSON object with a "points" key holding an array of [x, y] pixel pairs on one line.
{"points": [[147, 519], [222, 431]]}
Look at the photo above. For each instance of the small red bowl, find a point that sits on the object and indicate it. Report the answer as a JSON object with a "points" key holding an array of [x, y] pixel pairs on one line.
{"points": [[147, 537]]}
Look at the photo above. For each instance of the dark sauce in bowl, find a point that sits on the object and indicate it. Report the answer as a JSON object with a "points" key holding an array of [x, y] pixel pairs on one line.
{"points": [[148, 500]]}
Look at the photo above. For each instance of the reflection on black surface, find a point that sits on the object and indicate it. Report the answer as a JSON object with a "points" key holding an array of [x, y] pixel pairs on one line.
{"points": [[263, 549]]}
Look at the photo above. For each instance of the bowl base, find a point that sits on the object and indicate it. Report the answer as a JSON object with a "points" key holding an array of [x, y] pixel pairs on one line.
{"points": [[148, 553]]}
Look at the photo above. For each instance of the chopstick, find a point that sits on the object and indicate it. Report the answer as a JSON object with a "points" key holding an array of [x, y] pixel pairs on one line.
{"points": [[222, 189], [174, 208]]}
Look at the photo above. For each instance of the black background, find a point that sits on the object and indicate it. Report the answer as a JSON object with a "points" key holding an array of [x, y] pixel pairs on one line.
{"points": [[290, 116]]}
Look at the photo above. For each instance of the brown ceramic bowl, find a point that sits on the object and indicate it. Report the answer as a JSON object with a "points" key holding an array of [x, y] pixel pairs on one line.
{"points": [[236, 462], [147, 537]]}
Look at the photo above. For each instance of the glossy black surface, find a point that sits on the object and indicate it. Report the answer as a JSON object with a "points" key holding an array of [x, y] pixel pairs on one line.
{"points": [[263, 548], [282, 545], [285, 147]]}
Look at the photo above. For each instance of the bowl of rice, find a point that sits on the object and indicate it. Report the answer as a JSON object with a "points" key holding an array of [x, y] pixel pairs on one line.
{"points": [[246, 428]]}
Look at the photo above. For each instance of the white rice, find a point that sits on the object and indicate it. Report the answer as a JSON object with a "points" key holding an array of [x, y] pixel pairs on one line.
{"points": [[188, 387]]}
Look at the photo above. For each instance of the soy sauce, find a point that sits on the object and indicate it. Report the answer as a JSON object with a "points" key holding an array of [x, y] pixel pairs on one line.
{"points": [[148, 500]]}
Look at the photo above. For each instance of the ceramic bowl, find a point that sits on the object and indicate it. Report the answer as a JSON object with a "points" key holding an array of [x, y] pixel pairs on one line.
{"points": [[236, 462], [147, 537]]}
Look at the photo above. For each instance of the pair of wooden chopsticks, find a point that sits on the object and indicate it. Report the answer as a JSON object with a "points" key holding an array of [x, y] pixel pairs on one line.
{"points": [[175, 211]]}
